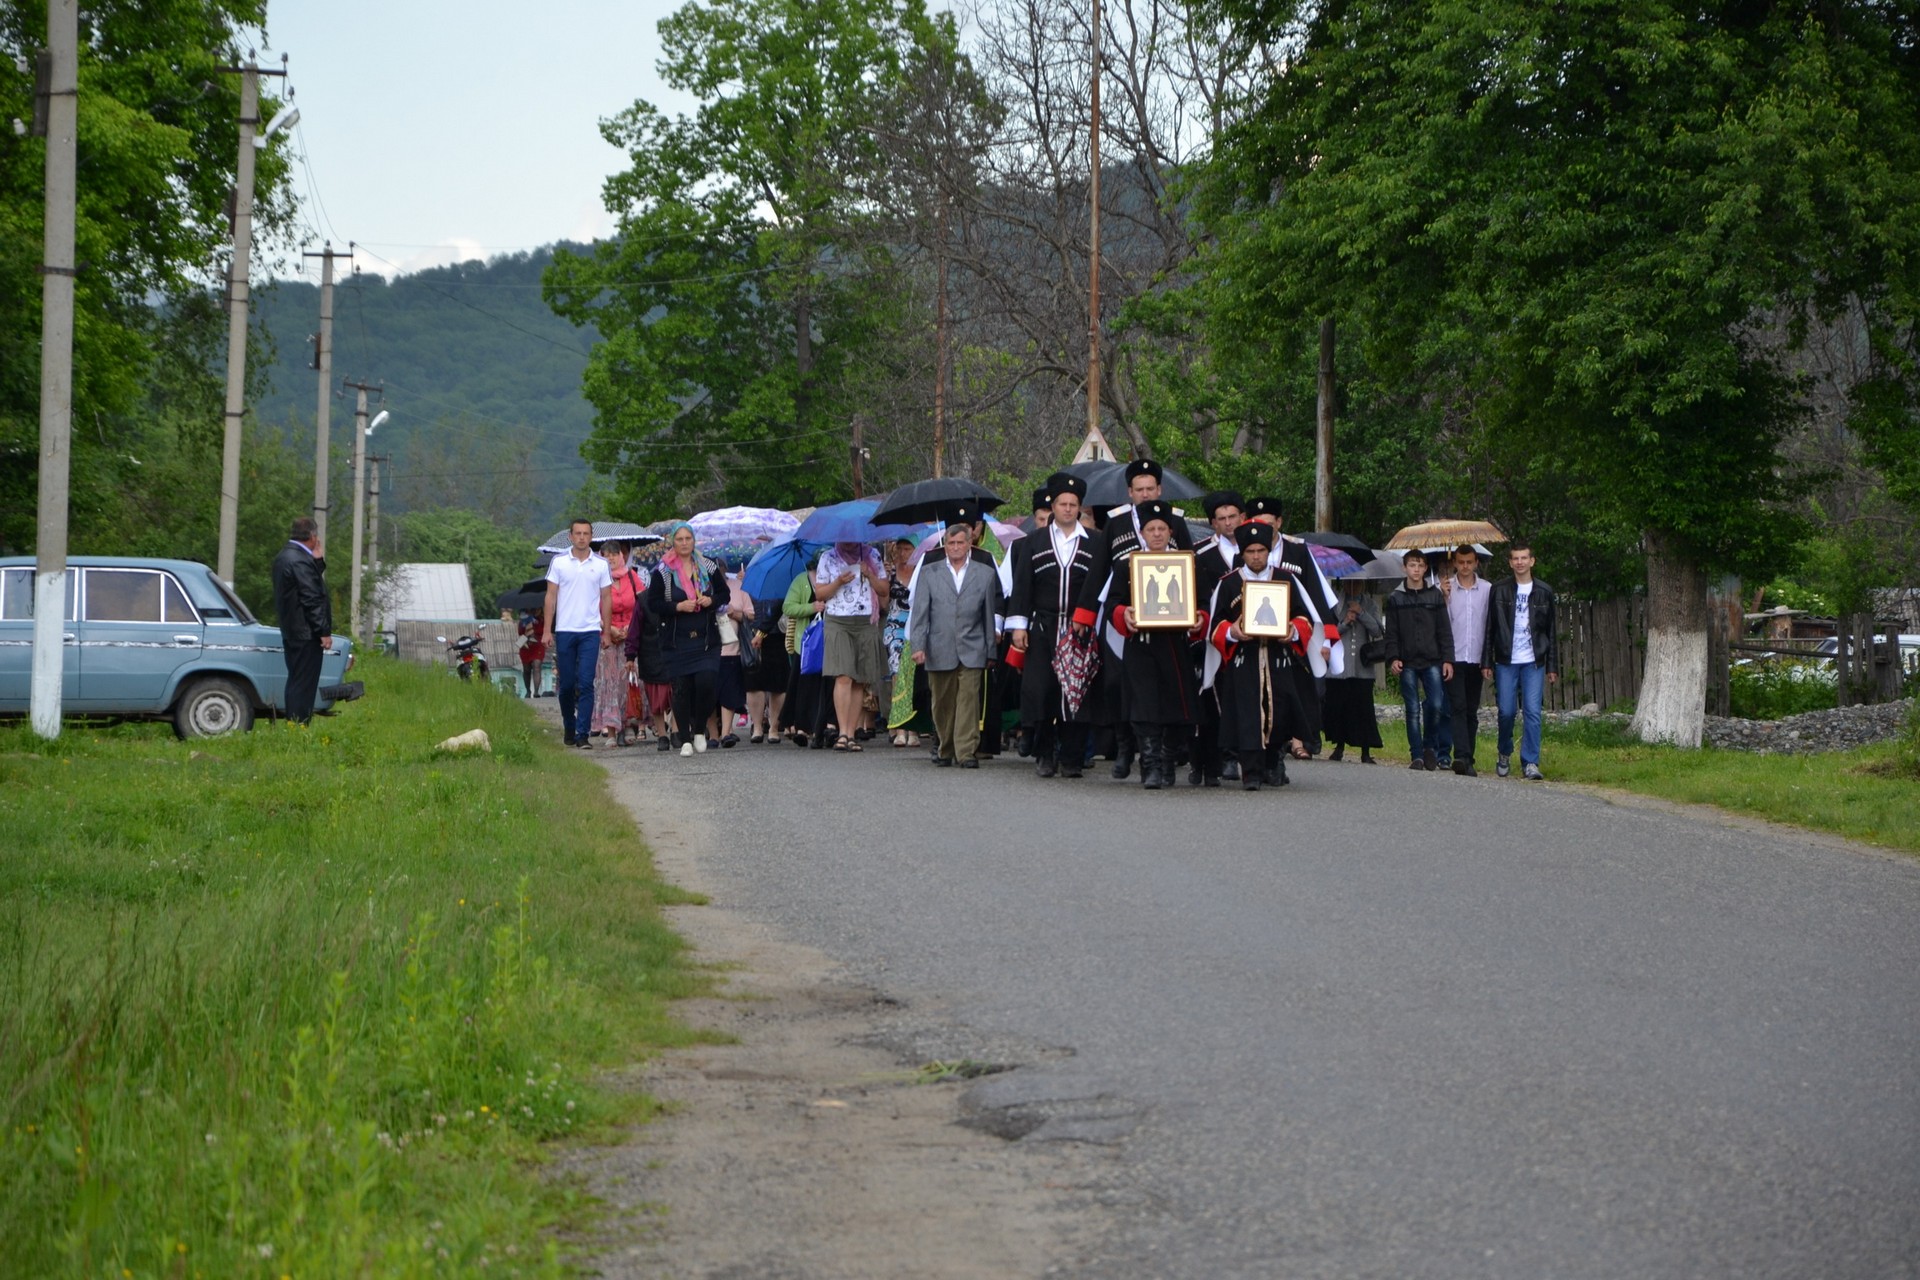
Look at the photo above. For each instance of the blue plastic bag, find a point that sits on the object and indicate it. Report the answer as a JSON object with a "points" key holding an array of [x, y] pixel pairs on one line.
{"points": [[813, 647]]}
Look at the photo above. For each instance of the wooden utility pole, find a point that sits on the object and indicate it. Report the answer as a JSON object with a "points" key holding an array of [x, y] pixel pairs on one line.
{"points": [[859, 454], [323, 414], [940, 352], [1093, 256], [1323, 434], [56, 368], [359, 494]]}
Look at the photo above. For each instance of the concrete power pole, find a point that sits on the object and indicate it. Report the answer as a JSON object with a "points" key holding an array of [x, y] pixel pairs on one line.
{"points": [[56, 369], [237, 299], [323, 361], [373, 517], [359, 494]]}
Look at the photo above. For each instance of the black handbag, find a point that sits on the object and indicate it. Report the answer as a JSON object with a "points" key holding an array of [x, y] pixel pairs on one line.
{"points": [[1373, 652]]}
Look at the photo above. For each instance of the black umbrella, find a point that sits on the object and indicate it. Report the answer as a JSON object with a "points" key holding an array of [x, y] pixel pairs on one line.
{"points": [[925, 500], [1107, 484], [1346, 542], [531, 594]]}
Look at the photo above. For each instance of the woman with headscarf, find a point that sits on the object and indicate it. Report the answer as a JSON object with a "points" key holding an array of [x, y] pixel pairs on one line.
{"points": [[850, 581], [610, 672], [686, 595]]}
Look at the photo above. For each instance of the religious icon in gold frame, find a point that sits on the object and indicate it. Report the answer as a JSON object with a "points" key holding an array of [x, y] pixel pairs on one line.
{"points": [[1266, 610], [1163, 590]]}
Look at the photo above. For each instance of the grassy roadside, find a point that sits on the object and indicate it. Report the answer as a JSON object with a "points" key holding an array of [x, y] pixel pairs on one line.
{"points": [[1862, 794], [309, 1003]]}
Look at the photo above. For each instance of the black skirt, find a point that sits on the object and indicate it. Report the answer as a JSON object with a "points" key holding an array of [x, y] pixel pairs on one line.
{"points": [[1347, 714]]}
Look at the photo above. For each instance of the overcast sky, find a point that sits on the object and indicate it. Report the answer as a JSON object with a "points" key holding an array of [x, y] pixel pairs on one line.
{"points": [[435, 132]]}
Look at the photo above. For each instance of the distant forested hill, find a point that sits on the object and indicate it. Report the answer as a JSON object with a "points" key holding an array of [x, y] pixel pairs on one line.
{"points": [[483, 381]]}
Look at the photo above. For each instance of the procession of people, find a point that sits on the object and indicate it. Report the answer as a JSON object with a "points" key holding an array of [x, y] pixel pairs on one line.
{"points": [[1102, 631]]}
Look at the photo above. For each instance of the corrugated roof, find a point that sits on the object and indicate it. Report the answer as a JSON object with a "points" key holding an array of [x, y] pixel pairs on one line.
{"points": [[425, 591]]}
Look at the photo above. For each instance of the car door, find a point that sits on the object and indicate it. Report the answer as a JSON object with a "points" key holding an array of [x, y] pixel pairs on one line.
{"points": [[137, 629], [16, 641]]}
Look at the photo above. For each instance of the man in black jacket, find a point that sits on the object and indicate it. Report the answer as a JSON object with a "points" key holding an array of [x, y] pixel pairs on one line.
{"points": [[1521, 653], [1420, 649], [306, 615]]}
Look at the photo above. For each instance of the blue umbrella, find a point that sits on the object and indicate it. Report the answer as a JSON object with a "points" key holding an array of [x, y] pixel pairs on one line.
{"points": [[848, 522], [771, 572]]}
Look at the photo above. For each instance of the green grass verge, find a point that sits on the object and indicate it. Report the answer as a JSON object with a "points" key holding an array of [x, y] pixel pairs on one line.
{"points": [[311, 1003], [1871, 794]]}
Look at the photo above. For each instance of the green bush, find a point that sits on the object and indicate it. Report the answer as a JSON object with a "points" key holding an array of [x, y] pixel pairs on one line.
{"points": [[1776, 687]]}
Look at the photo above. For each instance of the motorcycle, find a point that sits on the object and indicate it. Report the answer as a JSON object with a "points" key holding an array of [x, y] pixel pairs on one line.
{"points": [[467, 661]]}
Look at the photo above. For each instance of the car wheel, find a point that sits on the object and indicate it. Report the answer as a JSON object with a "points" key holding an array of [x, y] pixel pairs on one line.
{"points": [[212, 707]]}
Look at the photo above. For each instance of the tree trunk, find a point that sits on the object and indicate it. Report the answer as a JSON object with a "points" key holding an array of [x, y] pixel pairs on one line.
{"points": [[1673, 692]]}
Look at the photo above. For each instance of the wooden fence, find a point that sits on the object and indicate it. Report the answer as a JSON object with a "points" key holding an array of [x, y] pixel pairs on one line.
{"points": [[1603, 652]]}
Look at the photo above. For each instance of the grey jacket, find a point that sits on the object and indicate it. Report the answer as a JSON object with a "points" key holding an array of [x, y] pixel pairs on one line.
{"points": [[954, 628], [1356, 633]]}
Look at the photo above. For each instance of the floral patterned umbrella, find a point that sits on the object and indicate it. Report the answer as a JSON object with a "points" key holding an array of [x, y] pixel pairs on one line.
{"points": [[1076, 661]]}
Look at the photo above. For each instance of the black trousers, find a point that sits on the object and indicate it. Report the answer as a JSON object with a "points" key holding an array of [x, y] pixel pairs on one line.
{"points": [[1463, 702], [1064, 740], [303, 677], [693, 702]]}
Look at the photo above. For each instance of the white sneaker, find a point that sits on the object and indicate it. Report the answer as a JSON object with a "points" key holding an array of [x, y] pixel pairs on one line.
{"points": [[699, 742], [686, 748]]}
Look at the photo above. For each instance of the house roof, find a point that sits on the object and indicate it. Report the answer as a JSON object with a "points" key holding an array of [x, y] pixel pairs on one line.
{"points": [[425, 591]]}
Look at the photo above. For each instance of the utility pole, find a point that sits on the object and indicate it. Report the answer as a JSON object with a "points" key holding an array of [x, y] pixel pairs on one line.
{"points": [[56, 369], [1093, 257], [1323, 434], [237, 298], [323, 361], [940, 355], [859, 453], [359, 493], [373, 517]]}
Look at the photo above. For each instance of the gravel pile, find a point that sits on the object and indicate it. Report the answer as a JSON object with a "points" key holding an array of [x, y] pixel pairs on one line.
{"points": [[1836, 729]]}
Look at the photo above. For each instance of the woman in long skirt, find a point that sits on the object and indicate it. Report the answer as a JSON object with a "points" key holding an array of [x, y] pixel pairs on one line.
{"points": [[610, 670], [1347, 713]]}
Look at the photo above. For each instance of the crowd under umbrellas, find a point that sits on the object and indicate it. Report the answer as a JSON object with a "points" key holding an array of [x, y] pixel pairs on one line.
{"points": [[755, 626]]}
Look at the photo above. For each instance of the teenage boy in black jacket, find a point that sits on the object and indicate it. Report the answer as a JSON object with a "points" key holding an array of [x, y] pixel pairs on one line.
{"points": [[1420, 651], [1521, 653]]}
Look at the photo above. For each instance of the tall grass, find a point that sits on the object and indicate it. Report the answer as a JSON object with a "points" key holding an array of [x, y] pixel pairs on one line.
{"points": [[306, 1002]]}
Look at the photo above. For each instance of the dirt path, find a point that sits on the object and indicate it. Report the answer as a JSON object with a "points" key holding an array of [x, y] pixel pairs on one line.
{"points": [[814, 1147]]}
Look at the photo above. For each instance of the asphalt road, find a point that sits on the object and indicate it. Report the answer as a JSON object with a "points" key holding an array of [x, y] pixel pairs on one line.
{"points": [[1381, 1023]]}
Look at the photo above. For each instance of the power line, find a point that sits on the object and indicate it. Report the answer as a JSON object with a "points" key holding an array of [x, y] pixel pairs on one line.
{"points": [[552, 342]]}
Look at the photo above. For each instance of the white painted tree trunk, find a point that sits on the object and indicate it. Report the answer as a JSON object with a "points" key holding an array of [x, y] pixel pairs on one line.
{"points": [[1673, 693]]}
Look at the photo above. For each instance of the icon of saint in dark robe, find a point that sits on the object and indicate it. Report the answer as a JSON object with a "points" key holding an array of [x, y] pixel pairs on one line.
{"points": [[1264, 615]]}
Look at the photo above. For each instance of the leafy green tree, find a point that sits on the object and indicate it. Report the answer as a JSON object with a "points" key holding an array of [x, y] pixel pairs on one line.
{"points": [[731, 297], [1606, 222], [158, 138]]}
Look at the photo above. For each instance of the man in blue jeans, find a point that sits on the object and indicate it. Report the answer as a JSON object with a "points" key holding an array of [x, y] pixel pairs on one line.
{"points": [[1420, 651], [1522, 658], [578, 620]]}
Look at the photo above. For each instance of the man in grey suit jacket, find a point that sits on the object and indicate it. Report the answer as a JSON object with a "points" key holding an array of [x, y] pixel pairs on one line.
{"points": [[950, 633]]}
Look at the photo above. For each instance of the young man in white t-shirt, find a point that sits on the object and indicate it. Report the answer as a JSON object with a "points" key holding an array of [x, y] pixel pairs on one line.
{"points": [[578, 620], [1521, 657]]}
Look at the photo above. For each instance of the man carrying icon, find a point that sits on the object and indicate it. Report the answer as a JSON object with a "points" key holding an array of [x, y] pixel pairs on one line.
{"points": [[1252, 674]]}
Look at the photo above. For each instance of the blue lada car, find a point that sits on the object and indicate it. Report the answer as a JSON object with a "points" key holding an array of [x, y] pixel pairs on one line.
{"points": [[150, 638]]}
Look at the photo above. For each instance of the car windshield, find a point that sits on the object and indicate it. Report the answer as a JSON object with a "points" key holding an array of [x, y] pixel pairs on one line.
{"points": [[239, 611]]}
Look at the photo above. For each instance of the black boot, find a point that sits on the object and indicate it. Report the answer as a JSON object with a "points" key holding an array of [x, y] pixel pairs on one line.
{"points": [[1277, 766], [1122, 753], [1072, 749], [1230, 770], [1045, 765], [1250, 777], [1151, 747], [1338, 753]]}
